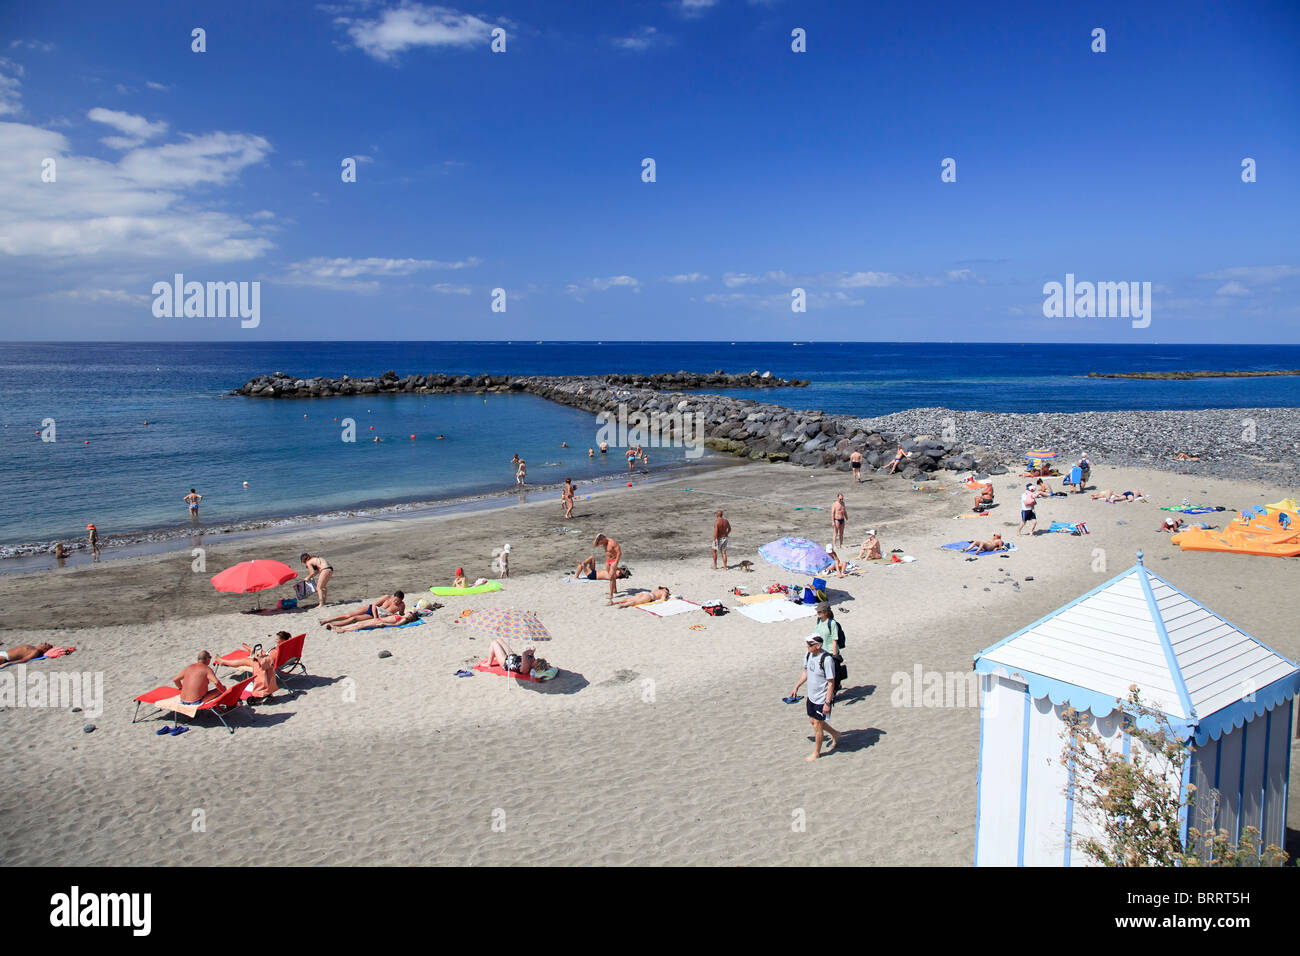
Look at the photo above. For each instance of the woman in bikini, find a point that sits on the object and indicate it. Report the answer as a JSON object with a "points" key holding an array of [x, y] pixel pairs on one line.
{"points": [[587, 569], [388, 620], [645, 597], [388, 604], [567, 497], [320, 569]]}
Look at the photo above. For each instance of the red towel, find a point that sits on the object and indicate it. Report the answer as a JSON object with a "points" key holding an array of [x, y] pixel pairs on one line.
{"points": [[501, 671]]}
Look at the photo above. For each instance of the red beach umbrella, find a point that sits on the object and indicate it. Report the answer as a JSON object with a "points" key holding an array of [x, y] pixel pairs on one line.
{"points": [[249, 576]]}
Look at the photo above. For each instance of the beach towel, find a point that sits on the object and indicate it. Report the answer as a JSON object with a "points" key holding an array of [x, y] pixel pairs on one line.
{"points": [[1191, 511], [669, 608], [760, 598], [959, 545], [454, 592], [502, 672], [1069, 527], [416, 623], [774, 611], [973, 514]]}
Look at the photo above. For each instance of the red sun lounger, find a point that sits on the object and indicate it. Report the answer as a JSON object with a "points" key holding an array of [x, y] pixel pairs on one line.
{"points": [[287, 656], [162, 697]]}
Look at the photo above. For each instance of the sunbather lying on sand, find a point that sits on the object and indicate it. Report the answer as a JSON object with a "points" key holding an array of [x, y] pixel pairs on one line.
{"points": [[388, 604], [388, 620], [23, 653], [244, 658], [1117, 496], [645, 597], [983, 546], [527, 663], [1174, 524], [587, 569]]}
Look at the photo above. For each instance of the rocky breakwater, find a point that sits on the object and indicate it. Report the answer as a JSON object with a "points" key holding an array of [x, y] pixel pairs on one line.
{"points": [[669, 408], [283, 385]]}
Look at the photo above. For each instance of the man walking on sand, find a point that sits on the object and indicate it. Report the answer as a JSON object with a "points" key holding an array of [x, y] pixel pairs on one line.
{"points": [[721, 529], [839, 518], [1027, 514], [819, 675], [613, 555], [855, 462]]}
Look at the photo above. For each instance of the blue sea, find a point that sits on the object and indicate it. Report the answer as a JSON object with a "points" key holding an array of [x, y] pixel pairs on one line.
{"points": [[108, 467]]}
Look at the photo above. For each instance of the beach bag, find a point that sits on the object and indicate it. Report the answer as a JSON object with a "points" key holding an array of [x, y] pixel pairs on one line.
{"points": [[287, 603], [305, 588], [714, 608]]}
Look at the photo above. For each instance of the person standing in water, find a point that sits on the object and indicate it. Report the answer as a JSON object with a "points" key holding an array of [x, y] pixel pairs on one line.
{"points": [[320, 569], [193, 499], [521, 476], [92, 537]]}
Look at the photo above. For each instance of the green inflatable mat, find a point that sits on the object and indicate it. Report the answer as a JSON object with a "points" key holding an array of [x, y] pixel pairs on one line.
{"points": [[481, 589]]}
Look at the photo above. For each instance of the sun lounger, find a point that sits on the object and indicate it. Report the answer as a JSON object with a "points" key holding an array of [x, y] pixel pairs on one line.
{"points": [[169, 699]]}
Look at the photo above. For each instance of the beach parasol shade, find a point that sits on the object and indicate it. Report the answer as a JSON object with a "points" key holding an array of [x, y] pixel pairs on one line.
{"points": [[796, 554], [510, 624], [249, 576], [1040, 455]]}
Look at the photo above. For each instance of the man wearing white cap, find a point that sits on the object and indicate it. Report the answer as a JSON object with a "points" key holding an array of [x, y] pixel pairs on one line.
{"points": [[819, 675]]}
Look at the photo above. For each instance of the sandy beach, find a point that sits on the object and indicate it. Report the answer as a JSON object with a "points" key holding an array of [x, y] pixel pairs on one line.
{"points": [[657, 744]]}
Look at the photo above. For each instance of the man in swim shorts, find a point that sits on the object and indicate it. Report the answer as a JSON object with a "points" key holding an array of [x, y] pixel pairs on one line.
{"points": [[387, 605], [613, 554], [899, 456], [721, 530], [855, 462], [193, 499], [587, 569], [193, 682], [1027, 501], [839, 518]]}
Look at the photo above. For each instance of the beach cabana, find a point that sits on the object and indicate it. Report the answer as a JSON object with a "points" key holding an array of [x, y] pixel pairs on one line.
{"points": [[1224, 693]]}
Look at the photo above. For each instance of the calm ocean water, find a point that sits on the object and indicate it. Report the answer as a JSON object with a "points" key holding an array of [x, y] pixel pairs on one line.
{"points": [[131, 477]]}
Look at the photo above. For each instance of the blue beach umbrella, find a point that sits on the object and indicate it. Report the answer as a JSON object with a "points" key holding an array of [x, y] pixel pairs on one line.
{"points": [[796, 554]]}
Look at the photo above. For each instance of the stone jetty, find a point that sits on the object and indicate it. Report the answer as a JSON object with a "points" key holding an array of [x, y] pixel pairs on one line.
{"points": [[672, 407]]}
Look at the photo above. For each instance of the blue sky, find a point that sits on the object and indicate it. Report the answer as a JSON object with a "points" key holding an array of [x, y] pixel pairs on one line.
{"points": [[775, 170]]}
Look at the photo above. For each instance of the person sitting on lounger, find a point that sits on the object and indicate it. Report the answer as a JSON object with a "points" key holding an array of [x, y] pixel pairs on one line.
{"points": [[870, 548], [984, 498], [244, 658], [1115, 496], [388, 604], [645, 597], [587, 569], [23, 653], [193, 682], [388, 620], [980, 547], [527, 664]]}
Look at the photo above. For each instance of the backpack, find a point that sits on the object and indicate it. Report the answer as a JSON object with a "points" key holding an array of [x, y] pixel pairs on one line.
{"points": [[841, 669], [840, 628]]}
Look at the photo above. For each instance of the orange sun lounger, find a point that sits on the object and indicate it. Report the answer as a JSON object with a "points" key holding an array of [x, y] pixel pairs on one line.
{"points": [[1268, 544]]}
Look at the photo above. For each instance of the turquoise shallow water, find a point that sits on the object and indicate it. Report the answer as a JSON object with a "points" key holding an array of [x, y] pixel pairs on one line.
{"points": [[132, 477]]}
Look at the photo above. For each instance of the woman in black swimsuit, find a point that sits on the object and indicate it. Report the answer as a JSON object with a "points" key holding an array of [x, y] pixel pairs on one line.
{"points": [[319, 569]]}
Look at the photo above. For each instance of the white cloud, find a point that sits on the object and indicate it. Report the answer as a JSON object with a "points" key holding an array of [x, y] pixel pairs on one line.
{"points": [[643, 39], [447, 288], [858, 280], [38, 45], [134, 129], [695, 8], [579, 289], [163, 87], [361, 275], [733, 280], [413, 25], [687, 277], [1232, 288], [1258, 274], [11, 100], [120, 296], [208, 158], [123, 211]]}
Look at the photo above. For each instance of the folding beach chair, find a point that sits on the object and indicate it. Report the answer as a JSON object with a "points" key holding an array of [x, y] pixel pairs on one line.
{"points": [[166, 699], [288, 656]]}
